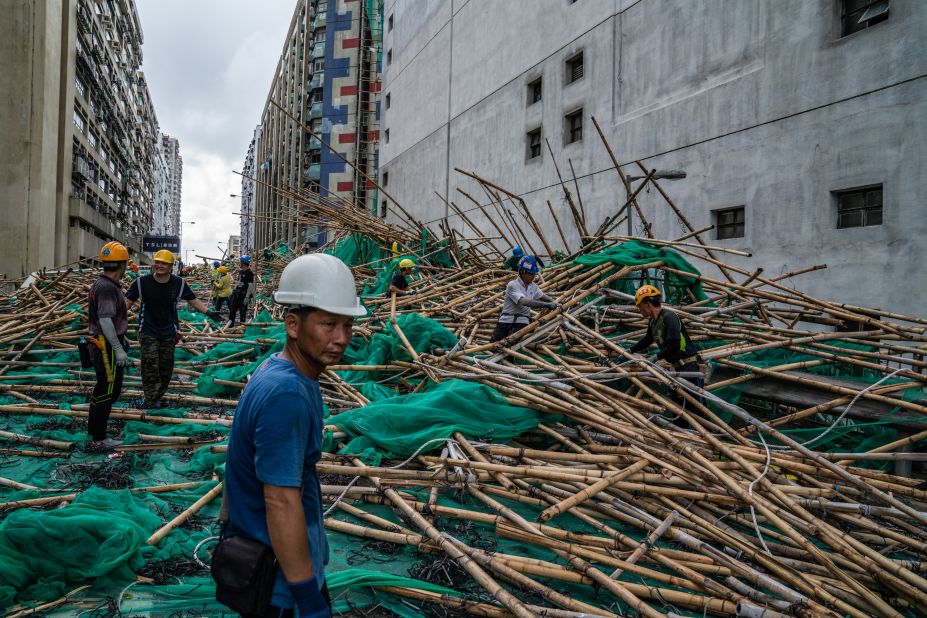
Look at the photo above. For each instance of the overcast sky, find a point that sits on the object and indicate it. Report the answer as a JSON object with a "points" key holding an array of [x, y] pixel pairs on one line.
{"points": [[209, 65]]}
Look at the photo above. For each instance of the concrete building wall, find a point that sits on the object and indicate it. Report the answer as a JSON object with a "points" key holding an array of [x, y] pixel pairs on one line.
{"points": [[78, 128], [763, 104], [30, 69]]}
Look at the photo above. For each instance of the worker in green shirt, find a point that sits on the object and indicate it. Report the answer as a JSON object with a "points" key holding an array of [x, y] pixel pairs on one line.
{"points": [[669, 333]]}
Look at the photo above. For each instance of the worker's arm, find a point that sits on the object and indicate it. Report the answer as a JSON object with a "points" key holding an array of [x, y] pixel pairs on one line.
{"points": [[109, 331], [524, 301], [286, 522], [644, 343], [199, 305]]}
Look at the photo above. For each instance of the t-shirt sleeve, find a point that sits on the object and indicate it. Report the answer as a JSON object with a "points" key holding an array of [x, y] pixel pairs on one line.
{"points": [[185, 292], [514, 291], [281, 436], [132, 294], [107, 299]]}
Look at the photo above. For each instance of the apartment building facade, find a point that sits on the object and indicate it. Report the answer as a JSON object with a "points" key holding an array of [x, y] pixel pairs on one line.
{"points": [[327, 81], [80, 135], [800, 126], [173, 181], [247, 196]]}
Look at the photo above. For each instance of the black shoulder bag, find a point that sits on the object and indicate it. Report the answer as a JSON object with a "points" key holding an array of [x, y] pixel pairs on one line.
{"points": [[244, 571]]}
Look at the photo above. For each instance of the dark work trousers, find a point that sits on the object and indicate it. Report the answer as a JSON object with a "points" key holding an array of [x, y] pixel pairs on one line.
{"points": [[698, 381], [240, 304], [503, 330], [222, 300], [105, 393], [276, 612], [157, 366]]}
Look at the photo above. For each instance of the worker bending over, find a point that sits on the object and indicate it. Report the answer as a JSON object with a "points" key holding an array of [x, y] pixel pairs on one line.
{"points": [[400, 284], [521, 295], [669, 333]]}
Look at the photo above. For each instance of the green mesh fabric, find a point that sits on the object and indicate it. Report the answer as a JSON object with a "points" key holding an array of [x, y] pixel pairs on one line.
{"points": [[677, 289], [424, 334], [398, 426], [380, 285], [356, 249]]}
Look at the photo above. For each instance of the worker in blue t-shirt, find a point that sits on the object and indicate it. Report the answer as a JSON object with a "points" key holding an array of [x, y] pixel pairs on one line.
{"points": [[159, 324], [272, 487]]}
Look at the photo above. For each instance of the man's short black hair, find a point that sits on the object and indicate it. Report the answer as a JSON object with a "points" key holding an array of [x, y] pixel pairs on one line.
{"points": [[300, 312], [110, 266], [653, 300]]}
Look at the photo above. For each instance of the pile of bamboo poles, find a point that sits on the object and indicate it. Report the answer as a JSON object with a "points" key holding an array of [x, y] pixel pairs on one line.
{"points": [[688, 511]]}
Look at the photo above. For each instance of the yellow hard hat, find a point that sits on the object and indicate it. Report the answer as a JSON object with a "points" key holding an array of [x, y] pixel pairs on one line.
{"points": [[114, 252], [646, 291], [223, 269], [406, 263], [164, 256]]}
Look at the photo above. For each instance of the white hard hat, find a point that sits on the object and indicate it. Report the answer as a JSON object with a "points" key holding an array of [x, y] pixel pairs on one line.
{"points": [[322, 281]]}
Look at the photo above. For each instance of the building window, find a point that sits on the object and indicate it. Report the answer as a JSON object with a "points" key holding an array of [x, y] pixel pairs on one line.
{"points": [[389, 57], [79, 121], [79, 86], [385, 179], [534, 143], [386, 136], [388, 100], [573, 127], [320, 36], [534, 91], [574, 68], [383, 209], [859, 207], [92, 139], [389, 23], [729, 223], [858, 15], [319, 65]]}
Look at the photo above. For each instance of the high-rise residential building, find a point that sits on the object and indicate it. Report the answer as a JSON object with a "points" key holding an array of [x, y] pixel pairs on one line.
{"points": [[801, 127], [79, 132], [170, 149], [327, 80], [234, 246], [247, 196], [162, 202]]}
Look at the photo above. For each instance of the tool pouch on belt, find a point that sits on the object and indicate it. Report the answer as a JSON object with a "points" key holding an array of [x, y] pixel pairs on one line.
{"points": [[244, 571], [83, 351]]}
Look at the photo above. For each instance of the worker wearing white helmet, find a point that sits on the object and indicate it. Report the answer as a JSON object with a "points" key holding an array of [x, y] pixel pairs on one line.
{"points": [[273, 491]]}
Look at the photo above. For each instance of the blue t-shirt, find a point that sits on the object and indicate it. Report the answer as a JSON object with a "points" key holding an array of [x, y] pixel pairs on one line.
{"points": [[276, 439]]}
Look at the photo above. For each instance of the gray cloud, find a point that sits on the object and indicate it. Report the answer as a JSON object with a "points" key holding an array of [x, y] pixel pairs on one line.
{"points": [[209, 65]]}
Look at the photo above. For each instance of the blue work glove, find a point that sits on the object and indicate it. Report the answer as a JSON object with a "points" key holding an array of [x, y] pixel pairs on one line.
{"points": [[309, 599]]}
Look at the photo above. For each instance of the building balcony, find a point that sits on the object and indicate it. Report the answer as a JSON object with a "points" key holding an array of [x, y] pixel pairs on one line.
{"points": [[318, 50], [315, 110], [315, 144], [317, 80], [320, 20], [313, 172]]}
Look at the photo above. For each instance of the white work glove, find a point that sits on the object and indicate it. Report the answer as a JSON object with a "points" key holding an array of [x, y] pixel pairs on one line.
{"points": [[122, 359]]}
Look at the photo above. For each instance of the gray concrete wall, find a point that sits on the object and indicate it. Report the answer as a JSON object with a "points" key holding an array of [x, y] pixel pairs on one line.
{"points": [[762, 103], [30, 52]]}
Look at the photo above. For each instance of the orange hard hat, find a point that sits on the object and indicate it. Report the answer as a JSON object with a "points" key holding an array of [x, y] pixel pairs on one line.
{"points": [[646, 291], [114, 252]]}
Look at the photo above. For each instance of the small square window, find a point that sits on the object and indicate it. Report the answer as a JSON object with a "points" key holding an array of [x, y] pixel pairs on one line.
{"points": [[574, 68], [729, 223], [389, 23], [858, 15], [534, 143], [573, 127], [388, 100], [535, 90], [859, 207]]}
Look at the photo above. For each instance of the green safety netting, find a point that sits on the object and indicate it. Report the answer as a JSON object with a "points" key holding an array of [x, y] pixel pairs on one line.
{"points": [[357, 249], [397, 427], [424, 334], [677, 289]]}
